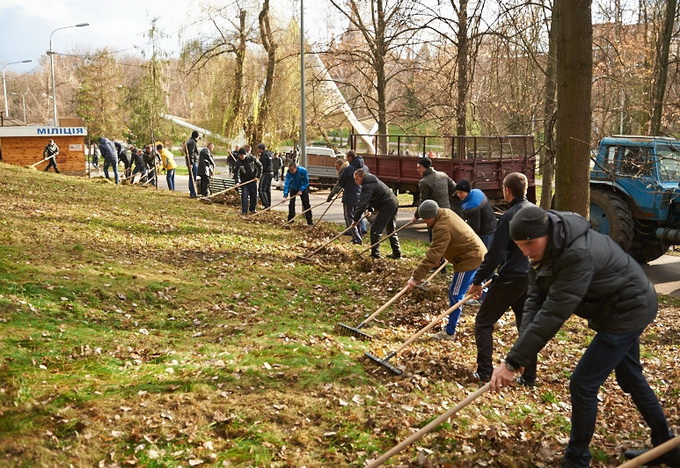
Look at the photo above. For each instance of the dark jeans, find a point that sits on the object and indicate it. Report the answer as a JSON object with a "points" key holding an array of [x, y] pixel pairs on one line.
{"points": [[501, 295], [249, 197], [205, 186], [265, 190], [52, 163], [114, 166], [348, 212], [192, 180], [304, 196], [607, 352], [385, 221], [170, 179]]}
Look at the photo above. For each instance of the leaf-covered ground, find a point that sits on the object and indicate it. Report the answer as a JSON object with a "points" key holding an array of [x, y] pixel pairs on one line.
{"points": [[142, 328]]}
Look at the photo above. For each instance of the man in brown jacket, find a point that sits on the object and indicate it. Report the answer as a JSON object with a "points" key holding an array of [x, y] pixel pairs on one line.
{"points": [[455, 241]]}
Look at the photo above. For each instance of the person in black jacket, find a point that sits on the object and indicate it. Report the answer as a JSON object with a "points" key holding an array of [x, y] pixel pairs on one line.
{"points": [[509, 287], [206, 168], [110, 158], [191, 160], [249, 170], [377, 196], [576, 270], [50, 152], [264, 188], [350, 195]]}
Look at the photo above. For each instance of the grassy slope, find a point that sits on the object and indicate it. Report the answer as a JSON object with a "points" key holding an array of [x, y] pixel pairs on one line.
{"points": [[141, 327]]}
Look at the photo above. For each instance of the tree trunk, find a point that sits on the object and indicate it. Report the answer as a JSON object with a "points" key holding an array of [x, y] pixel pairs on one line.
{"points": [[663, 49], [547, 166], [270, 46], [236, 98], [462, 70], [574, 29], [381, 77]]}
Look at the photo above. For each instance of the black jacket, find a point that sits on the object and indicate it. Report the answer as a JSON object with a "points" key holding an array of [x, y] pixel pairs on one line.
{"points": [[437, 186], [375, 194], [248, 168], [503, 252], [351, 190], [482, 218], [266, 161], [206, 163], [192, 151], [585, 273], [108, 150]]}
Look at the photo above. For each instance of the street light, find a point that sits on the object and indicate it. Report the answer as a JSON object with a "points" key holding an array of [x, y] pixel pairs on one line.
{"points": [[51, 53], [23, 103], [4, 82]]}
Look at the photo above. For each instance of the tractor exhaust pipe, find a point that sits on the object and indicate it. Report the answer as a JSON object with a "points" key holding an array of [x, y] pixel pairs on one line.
{"points": [[668, 235]]}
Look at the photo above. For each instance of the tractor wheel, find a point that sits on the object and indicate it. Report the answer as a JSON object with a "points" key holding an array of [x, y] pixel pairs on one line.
{"points": [[610, 215], [645, 246]]}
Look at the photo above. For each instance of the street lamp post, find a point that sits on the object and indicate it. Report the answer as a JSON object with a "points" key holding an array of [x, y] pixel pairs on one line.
{"points": [[23, 103], [303, 116], [4, 83], [51, 54]]}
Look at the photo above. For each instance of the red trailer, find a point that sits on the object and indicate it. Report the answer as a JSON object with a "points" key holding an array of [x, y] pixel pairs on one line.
{"points": [[483, 160]]}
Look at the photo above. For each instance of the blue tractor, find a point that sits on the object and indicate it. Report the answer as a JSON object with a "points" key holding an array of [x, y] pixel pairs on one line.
{"points": [[634, 193]]}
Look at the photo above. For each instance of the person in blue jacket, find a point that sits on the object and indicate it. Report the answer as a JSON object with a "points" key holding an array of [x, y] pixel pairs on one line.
{"points": [[477, 211], [297, 183]]}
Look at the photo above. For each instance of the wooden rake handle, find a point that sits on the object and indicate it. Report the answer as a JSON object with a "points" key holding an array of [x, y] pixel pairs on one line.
{"points": [[428, 428], [273, 206], [434, 322], [308, 209], [650, 455], [328, 208], [324, 245], [386, 237], [230, 188]]}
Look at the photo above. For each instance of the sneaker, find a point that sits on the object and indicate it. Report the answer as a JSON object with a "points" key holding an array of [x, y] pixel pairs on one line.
{"points": [[671, 458], [356, 242], [526, 383], [443, 335], [394, 256], [375, 256], [472, 302], [480, 377]]}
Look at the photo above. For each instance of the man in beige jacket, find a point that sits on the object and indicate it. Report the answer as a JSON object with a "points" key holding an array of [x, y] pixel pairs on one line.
{"points": [[455, 241]]}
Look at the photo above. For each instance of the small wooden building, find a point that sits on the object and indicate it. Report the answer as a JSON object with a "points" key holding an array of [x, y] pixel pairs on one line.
{"points": [[24, 146]]}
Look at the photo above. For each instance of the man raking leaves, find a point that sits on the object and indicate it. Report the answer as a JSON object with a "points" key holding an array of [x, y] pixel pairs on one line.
{"points": [[575, 270]]}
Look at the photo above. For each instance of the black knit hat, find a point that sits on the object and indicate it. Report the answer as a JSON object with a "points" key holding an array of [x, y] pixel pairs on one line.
{"points": [[241, 151], [463, 186], [425, 162], [194, 134], [529, 223]]}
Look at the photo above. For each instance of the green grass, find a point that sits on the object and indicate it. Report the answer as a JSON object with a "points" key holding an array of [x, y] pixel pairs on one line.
{"points": [[139, 327]]}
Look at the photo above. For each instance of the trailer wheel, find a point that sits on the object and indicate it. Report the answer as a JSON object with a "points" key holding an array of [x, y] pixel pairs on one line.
{"points": [[610, 215]]}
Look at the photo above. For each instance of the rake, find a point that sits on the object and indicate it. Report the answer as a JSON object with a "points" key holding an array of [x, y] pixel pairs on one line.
{"points": [[428, 428], [234, 187], [300, 214], [383, 362], [386, 237], [650, 455], [309, 257], [327, 208], [272, 206], [356, 331]]}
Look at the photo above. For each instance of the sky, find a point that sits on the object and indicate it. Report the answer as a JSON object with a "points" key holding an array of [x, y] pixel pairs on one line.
{"points": [[120, 25]]}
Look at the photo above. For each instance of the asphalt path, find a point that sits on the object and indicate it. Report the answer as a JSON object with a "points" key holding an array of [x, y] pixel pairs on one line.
{"points": [[663, 272]]}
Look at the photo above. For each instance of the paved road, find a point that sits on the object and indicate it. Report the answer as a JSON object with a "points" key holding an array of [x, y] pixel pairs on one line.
{"points": [[663, 272]]}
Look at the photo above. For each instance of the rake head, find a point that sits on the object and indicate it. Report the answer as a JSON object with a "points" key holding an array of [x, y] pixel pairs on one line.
{"points": [[355, 331], [384, 363], [306, 259]]}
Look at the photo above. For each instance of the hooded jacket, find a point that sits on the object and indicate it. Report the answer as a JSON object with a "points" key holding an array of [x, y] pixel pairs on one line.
{"points": [[298, 181], [479, 213], [375, 194], [453, 240], [585, 273], [351, 190], [108, 150], [206, 163], [437, 186]]}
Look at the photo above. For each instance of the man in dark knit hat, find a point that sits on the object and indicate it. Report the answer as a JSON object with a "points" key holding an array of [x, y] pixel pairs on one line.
{"points": [[191, 156], [575, 270]]}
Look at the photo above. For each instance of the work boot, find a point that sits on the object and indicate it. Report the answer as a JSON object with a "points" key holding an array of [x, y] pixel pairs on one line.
{"points": [[671, 458], [394, 256]]}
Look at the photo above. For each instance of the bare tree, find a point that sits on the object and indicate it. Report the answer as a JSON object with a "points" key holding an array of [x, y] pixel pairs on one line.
{"points": [[661, 67], [573, 26]]}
